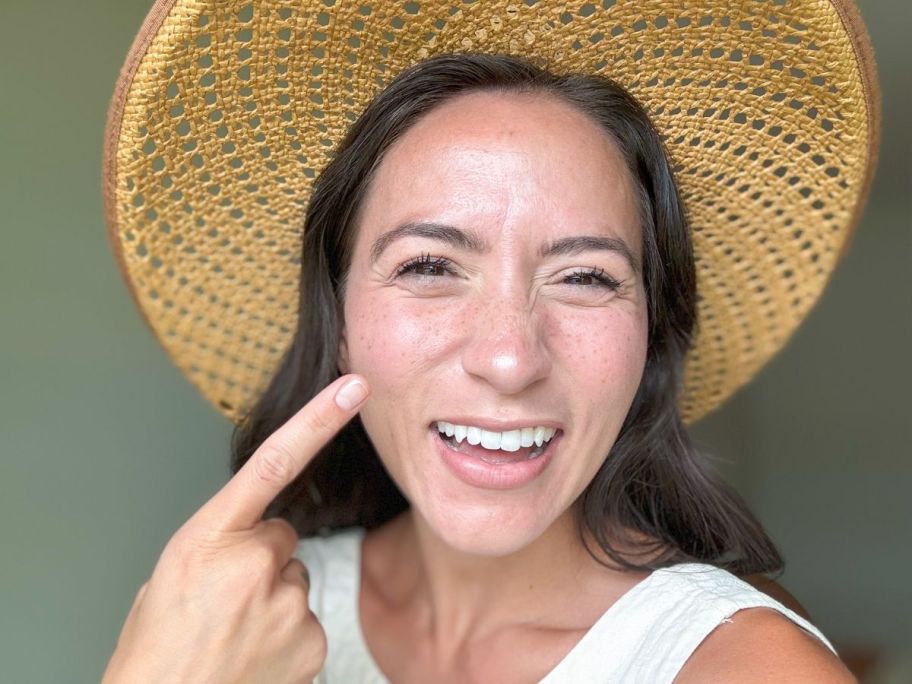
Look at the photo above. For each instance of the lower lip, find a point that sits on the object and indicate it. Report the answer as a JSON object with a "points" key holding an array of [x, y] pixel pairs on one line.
{"points": [[473, 471]]}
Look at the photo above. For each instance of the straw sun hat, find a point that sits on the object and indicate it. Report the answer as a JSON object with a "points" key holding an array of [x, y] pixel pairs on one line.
{"points": [[225, 113]]}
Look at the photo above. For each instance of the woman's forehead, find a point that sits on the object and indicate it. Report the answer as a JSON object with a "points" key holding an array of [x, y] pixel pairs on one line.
{"points": [[501, 158], [513, 128]]}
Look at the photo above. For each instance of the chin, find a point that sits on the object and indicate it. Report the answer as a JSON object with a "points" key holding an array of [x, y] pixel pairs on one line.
{"points": [[484, 530], [481, 515]]}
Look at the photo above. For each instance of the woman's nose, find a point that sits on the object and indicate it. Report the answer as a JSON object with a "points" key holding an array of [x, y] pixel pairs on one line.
{"points": [[507, 349]]}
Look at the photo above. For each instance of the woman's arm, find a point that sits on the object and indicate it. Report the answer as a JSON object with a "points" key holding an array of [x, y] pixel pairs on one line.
{"points": [[762, 646]]}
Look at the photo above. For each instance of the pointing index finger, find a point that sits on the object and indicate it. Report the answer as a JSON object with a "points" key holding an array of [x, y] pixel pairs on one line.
{"points": [[240, 504]]}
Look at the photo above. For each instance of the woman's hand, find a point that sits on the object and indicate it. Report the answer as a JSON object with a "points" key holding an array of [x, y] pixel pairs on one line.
{"points": [[226, 601]]}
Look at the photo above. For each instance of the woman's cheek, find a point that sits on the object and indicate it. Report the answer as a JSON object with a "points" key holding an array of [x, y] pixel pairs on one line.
{"points": [[606, 347], [395, 337]]}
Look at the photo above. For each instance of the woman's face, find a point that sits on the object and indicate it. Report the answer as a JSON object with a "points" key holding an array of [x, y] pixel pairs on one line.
{"points": [[495, 285]]}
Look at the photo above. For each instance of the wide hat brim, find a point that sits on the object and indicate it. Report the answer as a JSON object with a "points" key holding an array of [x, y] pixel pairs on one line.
{"points": [[225, 112]]}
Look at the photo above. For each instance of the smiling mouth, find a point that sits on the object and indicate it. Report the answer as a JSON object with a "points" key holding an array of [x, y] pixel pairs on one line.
{"points": [[487, 448]]}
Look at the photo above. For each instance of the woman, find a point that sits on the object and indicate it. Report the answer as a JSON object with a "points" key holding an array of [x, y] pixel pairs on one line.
{"points": [[500, 256]]}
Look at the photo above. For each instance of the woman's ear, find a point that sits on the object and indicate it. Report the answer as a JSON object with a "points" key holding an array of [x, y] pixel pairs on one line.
{"points": [[342, 353]]}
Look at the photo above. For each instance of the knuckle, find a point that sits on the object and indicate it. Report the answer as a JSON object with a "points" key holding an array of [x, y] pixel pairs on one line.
{"points": [[296, 621], [283, 529], [319, 420], [304, 573], [277, 534], [300, 624], [177, 552], [247, 576], [290, 615], [320, 644], [260, 558], [272, 463], [187, 534], [296, 605], [180, 541], [295, 567], [317, 645], [191, 547]]}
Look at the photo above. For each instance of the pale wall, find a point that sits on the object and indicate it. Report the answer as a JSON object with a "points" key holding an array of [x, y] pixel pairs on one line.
{"points": [[107, 449]]}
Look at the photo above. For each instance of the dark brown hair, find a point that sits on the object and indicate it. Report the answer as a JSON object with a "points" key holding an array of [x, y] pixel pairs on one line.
{"points": [[654, 492]]}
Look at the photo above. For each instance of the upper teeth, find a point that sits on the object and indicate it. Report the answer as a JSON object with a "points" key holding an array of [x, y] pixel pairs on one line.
{"points": [[511, 440]]}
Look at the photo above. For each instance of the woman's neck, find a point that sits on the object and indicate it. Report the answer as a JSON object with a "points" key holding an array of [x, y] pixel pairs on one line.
{"points": [[455, 598]]}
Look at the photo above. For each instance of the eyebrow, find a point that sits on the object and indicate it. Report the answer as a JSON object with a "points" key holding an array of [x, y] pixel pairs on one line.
{"points": [[455, 237], [584, 243], [472, 242]]}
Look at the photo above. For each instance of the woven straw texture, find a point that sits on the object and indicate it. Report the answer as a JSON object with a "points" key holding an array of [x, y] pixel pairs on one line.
{"points": [[225, 112]]}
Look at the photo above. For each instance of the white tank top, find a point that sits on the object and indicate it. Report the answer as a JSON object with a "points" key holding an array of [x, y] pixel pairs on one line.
{"points": [[645, 636]]}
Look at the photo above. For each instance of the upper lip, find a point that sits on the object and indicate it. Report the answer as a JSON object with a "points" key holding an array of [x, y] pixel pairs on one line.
{"points": [[500, 425]]}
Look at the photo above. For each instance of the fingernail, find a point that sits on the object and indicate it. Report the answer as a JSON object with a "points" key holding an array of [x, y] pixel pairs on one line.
{"points": [[351, 395]]}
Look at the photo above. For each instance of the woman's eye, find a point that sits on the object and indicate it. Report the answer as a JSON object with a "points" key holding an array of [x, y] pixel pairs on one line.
{"points": [[426, 266], [593, 277]]}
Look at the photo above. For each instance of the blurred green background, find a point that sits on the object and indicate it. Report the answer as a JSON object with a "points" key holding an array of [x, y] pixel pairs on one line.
{"points": [[107, 449]]}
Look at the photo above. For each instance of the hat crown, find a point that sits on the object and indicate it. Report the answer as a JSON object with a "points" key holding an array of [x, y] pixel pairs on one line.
{"points": [[225, 113]]}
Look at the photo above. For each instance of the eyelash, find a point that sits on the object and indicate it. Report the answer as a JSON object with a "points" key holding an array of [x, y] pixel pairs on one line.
{"points": [[424, 260], [598, 274], [604, 280]]}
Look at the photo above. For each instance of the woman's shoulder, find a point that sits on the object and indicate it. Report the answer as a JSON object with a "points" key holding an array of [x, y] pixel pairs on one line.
{"points": [[752, 630], [761, 644]]}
